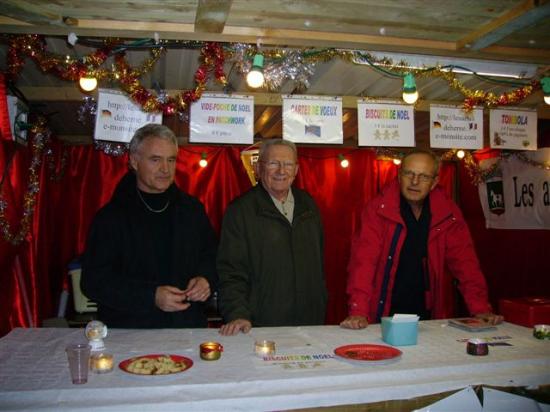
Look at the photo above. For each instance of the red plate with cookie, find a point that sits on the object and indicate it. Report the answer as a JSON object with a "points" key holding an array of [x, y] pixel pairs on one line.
{"points": [[156, 365]]}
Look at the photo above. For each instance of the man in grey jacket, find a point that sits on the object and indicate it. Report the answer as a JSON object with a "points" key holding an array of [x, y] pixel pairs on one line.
{"points": [[270, 258]]}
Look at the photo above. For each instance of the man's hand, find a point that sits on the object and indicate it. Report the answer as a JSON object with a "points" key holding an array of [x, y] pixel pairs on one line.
{"points": [[490, 318], [354, 322], [236, 326], [170, 299], [198, 289]]}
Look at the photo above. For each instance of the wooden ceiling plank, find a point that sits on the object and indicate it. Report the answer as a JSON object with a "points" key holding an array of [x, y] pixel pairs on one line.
{"points": [[29, 12], [524, 15], [212, 15]]}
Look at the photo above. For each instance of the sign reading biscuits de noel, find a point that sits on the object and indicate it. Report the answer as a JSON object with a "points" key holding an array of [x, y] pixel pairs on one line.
{"points": [[117, 117], [385, 124]]}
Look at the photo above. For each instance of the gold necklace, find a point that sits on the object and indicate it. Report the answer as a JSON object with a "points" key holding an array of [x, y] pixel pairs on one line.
{"points": [[149, 208]]}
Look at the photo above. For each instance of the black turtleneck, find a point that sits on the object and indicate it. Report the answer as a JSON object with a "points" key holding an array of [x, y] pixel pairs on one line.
{"points": [[160, 228], [411, 279]]}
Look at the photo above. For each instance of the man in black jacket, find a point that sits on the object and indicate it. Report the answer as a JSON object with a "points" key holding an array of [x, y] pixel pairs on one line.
{"points": [[270, 259], [150, 256]]}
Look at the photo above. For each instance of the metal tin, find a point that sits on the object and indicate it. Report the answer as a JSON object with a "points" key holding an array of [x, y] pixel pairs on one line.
{"points": [[264, 347], [211, 351], [477, 347]]}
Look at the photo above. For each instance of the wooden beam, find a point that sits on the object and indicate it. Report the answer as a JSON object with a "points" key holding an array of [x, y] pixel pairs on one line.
{"points": [[212, 15], [29, 12], [290, 38], [521, 16]]}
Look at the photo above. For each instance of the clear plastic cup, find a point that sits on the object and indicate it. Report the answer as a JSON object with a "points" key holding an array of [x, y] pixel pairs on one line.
{"points": [[78, 355]]}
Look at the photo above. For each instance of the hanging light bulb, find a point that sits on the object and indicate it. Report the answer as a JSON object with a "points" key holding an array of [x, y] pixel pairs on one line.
{"points": [[396, 161], [546, 89], [88, 83], [460, 154], [255, 77], [410, 94], [203, 162], [343, 161]]}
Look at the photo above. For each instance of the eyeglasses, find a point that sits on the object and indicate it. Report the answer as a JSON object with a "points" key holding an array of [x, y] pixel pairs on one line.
{"points": [[422, 177], [275, 165]]}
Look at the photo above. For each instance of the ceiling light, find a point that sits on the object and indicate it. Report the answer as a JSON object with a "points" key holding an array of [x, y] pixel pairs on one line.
{"points": [[88, 83], [255, 77], [203, 162], [545, 82], [343, 161], [410, 94]]}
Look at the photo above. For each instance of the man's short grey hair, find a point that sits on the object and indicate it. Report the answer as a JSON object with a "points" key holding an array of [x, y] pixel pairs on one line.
{"points": [[267, 143], [429, 153], [148, 131]]}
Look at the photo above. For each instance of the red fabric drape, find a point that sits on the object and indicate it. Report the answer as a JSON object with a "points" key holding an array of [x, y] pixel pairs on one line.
{"points": [[5, 127], [66, 206]]}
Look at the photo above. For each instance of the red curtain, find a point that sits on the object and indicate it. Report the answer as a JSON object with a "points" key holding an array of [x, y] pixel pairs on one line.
{"points": [[76, 181]]}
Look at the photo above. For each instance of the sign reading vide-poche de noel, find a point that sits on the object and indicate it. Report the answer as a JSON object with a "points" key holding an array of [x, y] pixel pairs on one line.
{"points": [[513, 129], [219, 118], [385, 124], [313, 119], [117, 117], [454, 128]]}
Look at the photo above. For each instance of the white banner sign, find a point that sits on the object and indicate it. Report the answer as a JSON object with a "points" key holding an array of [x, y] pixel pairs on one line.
{"points": [[453, 128], [222, 119], [513, 129], [313, 119], [519, 197], [385, 124], [117, 117]]}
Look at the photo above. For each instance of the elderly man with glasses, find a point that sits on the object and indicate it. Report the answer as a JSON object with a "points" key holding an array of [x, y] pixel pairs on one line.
{"points": [[412, 241], [270, 259]]}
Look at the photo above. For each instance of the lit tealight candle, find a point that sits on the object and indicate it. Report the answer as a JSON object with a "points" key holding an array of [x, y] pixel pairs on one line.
{"points": [[102, 362], [264, 347]]}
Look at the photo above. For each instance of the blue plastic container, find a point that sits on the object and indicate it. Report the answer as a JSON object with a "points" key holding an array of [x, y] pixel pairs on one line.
{"points": [[399, 333]]}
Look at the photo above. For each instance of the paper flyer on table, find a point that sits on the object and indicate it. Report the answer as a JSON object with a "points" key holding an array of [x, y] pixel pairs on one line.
{"points": [[300, 362]]}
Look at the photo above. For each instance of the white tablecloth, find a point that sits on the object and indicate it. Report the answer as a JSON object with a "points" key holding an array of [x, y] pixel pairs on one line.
{"points": [[34, 374]]}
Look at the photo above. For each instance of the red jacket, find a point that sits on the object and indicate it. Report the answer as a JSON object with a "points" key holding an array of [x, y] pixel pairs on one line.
{"points": [[450, 250]]}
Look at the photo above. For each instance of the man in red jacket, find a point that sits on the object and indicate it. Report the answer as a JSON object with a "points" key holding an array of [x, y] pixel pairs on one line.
{"points": [[411, 237]]}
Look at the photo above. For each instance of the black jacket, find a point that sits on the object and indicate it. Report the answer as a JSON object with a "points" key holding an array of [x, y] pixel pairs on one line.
{"points": [[119, 270], [271, 271]]}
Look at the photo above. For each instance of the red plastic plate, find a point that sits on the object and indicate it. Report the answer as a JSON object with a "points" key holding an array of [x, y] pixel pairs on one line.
{"points": [[367, 352]]}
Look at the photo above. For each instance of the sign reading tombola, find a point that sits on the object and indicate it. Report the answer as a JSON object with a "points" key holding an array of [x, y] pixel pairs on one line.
{"points": [[453, 128], [216, 118], [312, 119], [117, 117], [385, 124], [513, 129]]}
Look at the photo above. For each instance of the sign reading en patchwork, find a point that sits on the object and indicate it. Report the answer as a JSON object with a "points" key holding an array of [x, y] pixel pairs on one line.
{"points": [[217, 118]]}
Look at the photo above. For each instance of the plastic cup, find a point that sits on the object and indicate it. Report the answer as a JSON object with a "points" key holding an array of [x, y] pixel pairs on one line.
{"points": [[78, 355]]}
